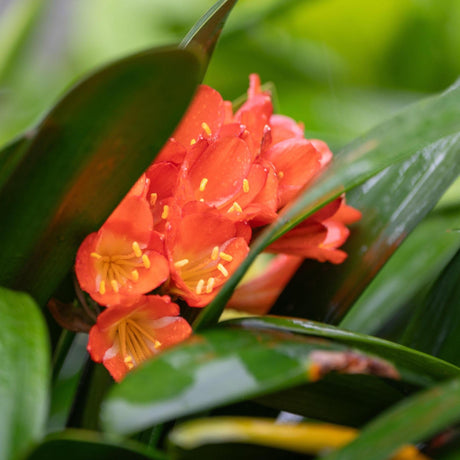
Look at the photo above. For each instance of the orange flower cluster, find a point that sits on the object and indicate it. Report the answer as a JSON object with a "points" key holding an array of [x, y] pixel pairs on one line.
{"points": [[187, 223]]}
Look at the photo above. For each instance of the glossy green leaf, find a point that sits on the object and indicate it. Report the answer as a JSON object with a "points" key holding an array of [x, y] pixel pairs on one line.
{"points": [[205, 33], [89, 445], [412, 267], [423, 369], [426, 133], [436, 324], [413, 420], [229, 364], [84, 157], [24, 374]]}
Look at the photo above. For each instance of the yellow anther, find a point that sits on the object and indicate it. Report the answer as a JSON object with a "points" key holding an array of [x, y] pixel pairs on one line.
{"points": [[102, 288], [193, 141], [165, 213], [222, 269], [181, 263], [128, 359], [281, 174], [210, 285], [146, 261], [115, 285], [215, 252], [245, 186], [153, 199], [96, 255], [235, 207], [157, 344], [202, 200], [199, 287], [135, 275], [137, 249], [206, 128], [203, 184], [226, 257]]}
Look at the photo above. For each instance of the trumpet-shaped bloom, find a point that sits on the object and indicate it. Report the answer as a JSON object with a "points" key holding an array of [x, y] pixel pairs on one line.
{"points": [[124, 258], [204, 249], [124, 336]]}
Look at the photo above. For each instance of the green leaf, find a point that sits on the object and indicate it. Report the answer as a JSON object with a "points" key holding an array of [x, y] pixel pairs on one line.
{"points": [[205, 33], [79, 444], [425, 131], [422, 369], [84, 157], [412, 267], [229, 364], [413, 420], [24, 374], [436, 324]]}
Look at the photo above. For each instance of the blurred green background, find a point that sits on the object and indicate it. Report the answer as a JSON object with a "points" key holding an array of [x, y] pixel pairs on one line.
{"points": [[340, 66]]}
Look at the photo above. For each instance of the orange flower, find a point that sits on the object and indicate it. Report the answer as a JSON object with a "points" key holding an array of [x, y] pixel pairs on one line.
{"points": [[204, 249], [124, 336], [125, 257]]}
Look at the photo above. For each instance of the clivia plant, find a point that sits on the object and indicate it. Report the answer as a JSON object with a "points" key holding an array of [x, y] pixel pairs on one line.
{"points": [[208, 274]]}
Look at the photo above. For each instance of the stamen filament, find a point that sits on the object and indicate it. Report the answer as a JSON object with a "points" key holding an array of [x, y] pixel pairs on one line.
{"points": [[206, 128], [215, 252], [226, 257], [181, 263], [210, 285], [146, 334], [146, 261], [137, 249], [199, 287], [203, 184], [222, 269]]}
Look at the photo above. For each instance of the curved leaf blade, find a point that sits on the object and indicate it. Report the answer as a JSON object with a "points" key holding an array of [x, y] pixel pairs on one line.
{"points": [[78, 444], [436, 323], [423, 127], [221, 366], [412, 267], [422, 369], [205, 33], [84, 157], [413, 420], [24, 374]]}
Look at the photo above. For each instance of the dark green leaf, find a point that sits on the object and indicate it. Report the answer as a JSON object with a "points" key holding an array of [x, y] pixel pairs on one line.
{"points": [[205, 33], [229, 364], [436, 325], [413, 420], [24, 374], [425, 135], [89, 445], [412, 267], [422, 369], [84, 157]]}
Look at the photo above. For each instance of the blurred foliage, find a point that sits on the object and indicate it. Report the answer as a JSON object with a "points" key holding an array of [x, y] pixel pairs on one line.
{"points": [[339, 76]]}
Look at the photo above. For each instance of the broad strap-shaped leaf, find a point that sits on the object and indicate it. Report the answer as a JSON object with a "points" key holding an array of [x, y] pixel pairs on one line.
{"points": [[418, 261], [413, 420], [230, 437], [205, 33], [435, 327], [24, 374], [90, 445], [426, 132], [234, 363], [84, 156], [424, 369]]}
